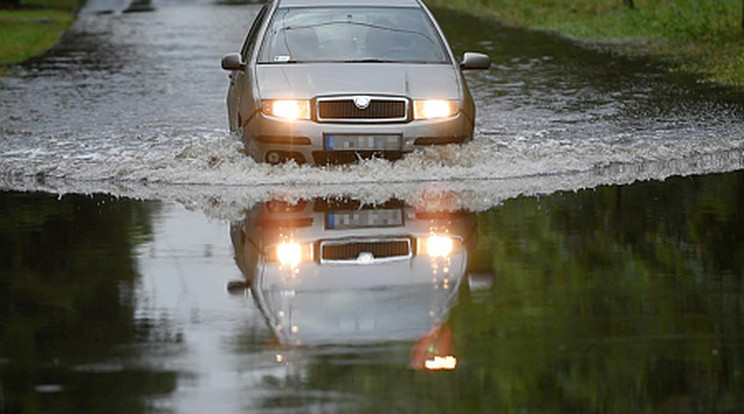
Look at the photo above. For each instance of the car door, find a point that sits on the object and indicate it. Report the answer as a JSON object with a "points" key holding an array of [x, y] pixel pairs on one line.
{"points": [[239, 79]]}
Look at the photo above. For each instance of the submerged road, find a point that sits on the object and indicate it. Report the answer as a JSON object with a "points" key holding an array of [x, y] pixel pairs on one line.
{"points": [[133, 104], [425, 285]]}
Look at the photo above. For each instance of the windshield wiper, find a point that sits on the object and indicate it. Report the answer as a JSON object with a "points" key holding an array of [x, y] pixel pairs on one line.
{"points": [[282, 62], [371, 60]]}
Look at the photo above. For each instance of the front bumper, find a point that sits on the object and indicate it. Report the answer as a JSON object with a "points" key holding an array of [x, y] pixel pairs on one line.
{"points": [[275, 140]]}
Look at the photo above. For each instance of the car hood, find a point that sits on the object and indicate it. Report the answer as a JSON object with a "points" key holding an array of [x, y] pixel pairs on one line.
{"points": [[303, 81], [356, 316]]}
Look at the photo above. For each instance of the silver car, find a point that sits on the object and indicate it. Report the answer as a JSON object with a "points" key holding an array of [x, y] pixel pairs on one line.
{"points": [[329, 271], [335, 80]]}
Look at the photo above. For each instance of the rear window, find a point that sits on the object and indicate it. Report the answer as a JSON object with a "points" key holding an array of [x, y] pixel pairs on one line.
{"points": [[343, 34]]}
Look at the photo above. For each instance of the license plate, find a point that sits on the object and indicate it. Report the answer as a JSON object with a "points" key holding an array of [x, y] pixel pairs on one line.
{"points": [[356, 219], [345, 142]]}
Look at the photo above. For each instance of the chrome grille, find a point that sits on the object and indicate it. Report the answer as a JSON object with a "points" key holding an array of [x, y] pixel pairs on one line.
{"points": [[378, 110], [379, 249]]}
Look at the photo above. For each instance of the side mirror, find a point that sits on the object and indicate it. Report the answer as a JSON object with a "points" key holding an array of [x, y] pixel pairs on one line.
{"points": [[481, 281], [472, 60], [238, 287], [233, 61]]}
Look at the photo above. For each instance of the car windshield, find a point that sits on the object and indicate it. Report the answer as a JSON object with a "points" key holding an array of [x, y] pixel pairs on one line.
{"points": [[342, 34]]}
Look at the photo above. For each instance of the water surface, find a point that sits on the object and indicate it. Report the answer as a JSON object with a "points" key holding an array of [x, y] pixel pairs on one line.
{"points": [[595, 223], [618, 299]]}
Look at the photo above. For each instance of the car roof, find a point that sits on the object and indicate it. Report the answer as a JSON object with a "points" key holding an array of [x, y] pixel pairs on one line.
{"points": [[368, 3]]}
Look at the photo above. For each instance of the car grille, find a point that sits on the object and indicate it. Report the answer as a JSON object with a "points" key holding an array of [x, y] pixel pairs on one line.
{"points": [[349, 251], [379, 110]]}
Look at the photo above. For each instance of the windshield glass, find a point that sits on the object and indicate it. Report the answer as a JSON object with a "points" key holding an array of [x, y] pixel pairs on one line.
{"points": [[341, 34]]}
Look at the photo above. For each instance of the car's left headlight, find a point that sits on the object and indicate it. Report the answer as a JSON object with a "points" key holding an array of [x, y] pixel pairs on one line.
{"points": [[289, 109], [290, 253], [434, 108]]}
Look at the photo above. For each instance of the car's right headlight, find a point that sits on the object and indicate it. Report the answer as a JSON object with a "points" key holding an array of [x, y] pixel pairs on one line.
{"points": [[434, 108], [438, 245], [289, 109]]}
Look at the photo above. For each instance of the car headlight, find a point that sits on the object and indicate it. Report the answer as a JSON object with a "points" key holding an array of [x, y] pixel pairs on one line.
{"points": [[439, 246], [434, 108], [287, 109], [290, 253]]}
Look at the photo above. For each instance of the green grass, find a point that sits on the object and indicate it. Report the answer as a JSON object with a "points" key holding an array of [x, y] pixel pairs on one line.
{"points": [[701, 36], [32, 30], [68, 5]]}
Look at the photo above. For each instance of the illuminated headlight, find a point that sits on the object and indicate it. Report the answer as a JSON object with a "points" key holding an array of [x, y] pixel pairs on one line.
{"points": [[434, 108], [439, 246], [292, 254], [287, 109], [289, 254]]}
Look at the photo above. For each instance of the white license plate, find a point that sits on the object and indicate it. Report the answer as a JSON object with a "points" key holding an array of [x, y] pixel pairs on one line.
{"points": [[339, 220], [345, 142]]}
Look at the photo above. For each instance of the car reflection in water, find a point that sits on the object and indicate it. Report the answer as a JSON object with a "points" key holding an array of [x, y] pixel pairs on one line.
{"points": [[339, 272]]}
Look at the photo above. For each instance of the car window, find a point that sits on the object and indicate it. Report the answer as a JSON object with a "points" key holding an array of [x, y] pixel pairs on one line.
{"points": [[343, 34], [250, 40]]}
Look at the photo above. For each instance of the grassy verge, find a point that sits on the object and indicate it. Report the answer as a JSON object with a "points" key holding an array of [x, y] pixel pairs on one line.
{"points": [[696, 35], [32, 29]]}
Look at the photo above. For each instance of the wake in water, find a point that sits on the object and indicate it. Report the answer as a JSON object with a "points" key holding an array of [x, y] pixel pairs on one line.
{"points": [[107, 112], [215, 176]]}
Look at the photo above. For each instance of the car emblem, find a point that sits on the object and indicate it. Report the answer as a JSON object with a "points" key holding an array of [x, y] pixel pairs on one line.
{"points": [[365, 258], [361, 102]]}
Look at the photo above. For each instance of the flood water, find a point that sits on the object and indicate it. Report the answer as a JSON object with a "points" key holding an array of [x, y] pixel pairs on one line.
{"points": [[583, 254], [134, 105], [616, 299]]}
